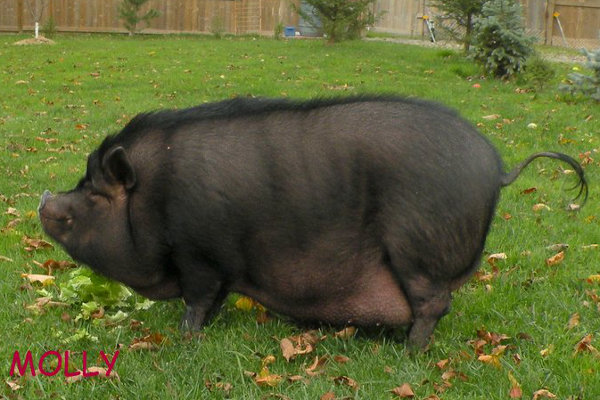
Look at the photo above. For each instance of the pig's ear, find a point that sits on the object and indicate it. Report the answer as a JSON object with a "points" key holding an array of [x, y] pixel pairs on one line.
{"points": [[117, 167]]}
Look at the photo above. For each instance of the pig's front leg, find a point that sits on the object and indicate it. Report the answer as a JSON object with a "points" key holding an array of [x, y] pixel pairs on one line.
{"points": [[203, 291]]}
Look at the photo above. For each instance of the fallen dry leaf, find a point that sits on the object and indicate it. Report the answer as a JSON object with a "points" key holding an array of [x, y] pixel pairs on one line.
{"points": [[223, 386], [442, 363], [492, 258], [102, 373], [341, 359], [543, 393], [42, 302], [558, 247], [43, 279], [346, 333], [245, 303], [346, 381], [13, 385], [494, 357], [287, 349], [529, 190], [540, 207], [328, 396], [585, 345], [53, 265], [264, 378], [593, 278], [515, 388], [403, 391], [317, 366], [32, 244], [555, 259], [547, 351], [148, 342], [300, 344], [491, 117], [573, 321]]}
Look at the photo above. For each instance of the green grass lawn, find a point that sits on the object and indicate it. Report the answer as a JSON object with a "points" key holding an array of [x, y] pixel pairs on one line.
{"points": [[518, 324]]}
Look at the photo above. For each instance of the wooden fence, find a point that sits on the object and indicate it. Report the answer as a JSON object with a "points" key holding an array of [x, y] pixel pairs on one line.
{"points": [[181, 16], [579, 19]]}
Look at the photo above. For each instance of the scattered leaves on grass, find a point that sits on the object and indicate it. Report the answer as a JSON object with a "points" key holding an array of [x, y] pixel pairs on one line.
{"points": [[555, 259], [403, 391]]}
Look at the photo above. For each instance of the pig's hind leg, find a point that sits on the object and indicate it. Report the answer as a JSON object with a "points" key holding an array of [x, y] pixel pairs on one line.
{"points": [[429, 298]]}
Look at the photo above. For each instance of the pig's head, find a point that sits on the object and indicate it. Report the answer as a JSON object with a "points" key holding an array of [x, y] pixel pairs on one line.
{"points": [[94, 223]]}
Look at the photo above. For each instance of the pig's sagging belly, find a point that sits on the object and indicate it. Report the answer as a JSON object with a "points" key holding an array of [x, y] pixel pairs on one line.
{"points": [[167, 288], [335, 288]]}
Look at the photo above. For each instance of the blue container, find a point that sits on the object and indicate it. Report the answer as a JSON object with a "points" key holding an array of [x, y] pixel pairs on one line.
{"points": [[290, 31]]}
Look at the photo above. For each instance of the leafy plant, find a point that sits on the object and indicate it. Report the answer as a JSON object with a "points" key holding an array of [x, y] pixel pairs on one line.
{"points": [[340, 19], [49, 28], [130, 13], [464, 13], [500, 43], [587, 85], [217, 26], [538, 73], [278, 31]]}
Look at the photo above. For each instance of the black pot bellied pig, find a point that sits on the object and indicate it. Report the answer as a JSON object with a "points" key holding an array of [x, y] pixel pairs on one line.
{"points": [[363, 210]]}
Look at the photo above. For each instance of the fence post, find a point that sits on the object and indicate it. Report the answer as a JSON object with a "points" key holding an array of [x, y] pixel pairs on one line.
{"points": [[551, 4]]}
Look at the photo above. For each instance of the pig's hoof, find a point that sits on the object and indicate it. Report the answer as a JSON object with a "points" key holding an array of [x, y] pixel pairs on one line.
{"points": [[193, 319]]}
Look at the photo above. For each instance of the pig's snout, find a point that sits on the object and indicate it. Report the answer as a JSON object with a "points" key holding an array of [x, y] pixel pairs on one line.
{"points": [[43, 199]]}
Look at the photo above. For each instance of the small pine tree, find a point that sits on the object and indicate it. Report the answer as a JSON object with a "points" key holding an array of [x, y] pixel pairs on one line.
{"points": [[464, 13], [588, 85], [340, 19], [129, 12], [499, 42]]}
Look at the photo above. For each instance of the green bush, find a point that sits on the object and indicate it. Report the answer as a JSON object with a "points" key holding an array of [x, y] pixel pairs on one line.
{"points": [[129, 12], [499, 43], [587, 85], [340, 19], [538, 73]]}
